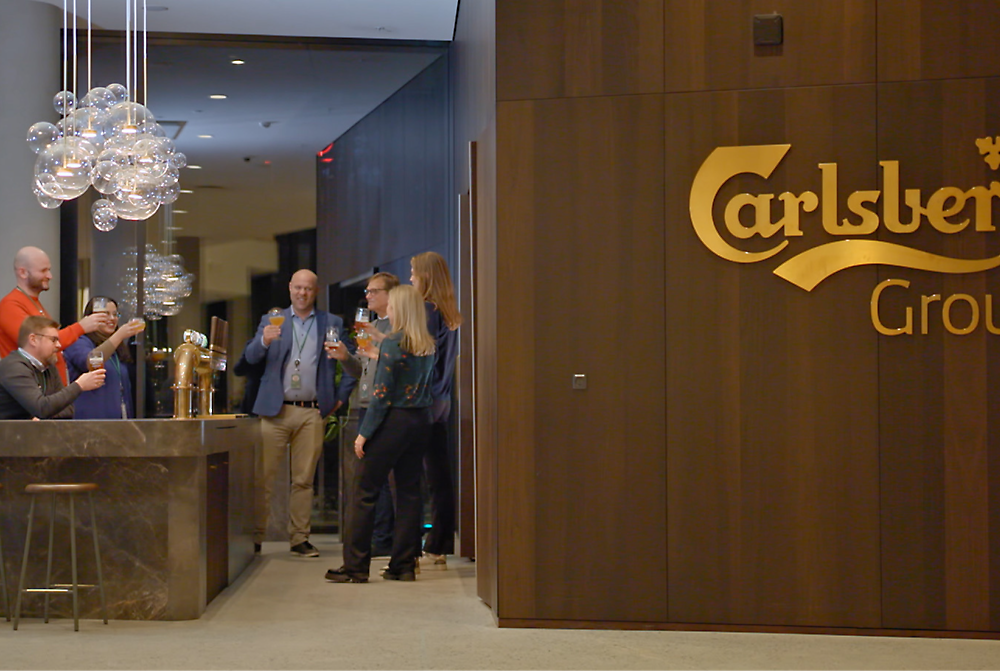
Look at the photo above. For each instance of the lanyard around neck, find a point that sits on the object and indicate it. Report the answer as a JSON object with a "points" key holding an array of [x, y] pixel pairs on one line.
{"points": [[305, 336], [34, 300]]}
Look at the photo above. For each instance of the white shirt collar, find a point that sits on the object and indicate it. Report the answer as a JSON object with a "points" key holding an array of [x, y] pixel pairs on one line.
{"points": [[35, 362]]}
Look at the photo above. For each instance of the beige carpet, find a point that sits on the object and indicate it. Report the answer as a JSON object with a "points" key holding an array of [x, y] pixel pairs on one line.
{"points": [[281, 614]]}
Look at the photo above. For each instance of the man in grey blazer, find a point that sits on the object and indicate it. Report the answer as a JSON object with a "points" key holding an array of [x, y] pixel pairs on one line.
{"points": [[296, 392], [30, 385]]}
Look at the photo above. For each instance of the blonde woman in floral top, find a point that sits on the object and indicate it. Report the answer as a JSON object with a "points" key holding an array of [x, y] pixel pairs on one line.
{"points": [[393, 437]]}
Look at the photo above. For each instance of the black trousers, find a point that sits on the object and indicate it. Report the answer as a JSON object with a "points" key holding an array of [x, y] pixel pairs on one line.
{"points": [[385, 508], [398, 445], [437, 464]]}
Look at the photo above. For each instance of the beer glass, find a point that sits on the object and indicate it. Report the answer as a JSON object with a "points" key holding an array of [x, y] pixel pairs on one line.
{"points": [[95, 360], [332, 337], [276, 317], [141, 322], [361, 319], [99, 304]]}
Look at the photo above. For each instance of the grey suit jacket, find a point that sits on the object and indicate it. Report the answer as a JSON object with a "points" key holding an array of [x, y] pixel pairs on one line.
{"points": [[26, 392]]}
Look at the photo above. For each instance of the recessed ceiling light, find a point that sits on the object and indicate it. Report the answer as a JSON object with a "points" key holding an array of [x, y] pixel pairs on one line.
{"points": [[194, 167], [207, 137], [180, 211], [218, 96], [176, 228], [186, 191], [237, 61]]}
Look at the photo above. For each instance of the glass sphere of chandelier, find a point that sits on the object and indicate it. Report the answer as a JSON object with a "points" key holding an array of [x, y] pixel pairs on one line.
{"points": [[106, 140]]}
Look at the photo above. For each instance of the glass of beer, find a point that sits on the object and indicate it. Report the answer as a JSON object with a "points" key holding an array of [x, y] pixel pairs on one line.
{"points": [[331, 339], [140, 321], [276, 316], [361, 319], [95, 360], [99, 304]]}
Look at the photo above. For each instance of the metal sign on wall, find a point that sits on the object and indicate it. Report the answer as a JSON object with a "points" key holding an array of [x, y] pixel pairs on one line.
{"points": [[903, 212]]}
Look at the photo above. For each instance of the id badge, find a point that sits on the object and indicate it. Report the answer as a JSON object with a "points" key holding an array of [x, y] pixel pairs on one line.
{"points": [[296, 381]]}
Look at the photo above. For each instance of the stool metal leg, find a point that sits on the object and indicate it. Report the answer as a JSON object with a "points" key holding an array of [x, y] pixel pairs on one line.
{"points": [[48, 564], [72, 554], [97, 558], [3, 579], [24, 563]]}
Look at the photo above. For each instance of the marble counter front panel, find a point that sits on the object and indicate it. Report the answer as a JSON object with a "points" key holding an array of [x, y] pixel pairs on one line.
{"points": [[152, 509]]}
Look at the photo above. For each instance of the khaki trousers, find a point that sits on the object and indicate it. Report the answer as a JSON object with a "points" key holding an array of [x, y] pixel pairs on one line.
{"points": [[300, 430]]}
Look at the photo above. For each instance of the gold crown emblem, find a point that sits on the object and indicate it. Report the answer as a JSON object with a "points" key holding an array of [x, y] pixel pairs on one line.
{"points": [[990, 148]]}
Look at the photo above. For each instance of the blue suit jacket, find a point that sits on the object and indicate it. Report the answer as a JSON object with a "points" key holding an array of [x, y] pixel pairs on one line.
{"points": [[271, 394]]}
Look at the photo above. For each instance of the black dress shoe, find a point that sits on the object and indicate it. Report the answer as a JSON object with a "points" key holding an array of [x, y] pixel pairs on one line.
{"points": [[404, 576], [304, 549], [341, 575]]}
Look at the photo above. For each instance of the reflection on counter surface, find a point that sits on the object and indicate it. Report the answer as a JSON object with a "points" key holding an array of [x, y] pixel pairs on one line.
{"points": [[174, 509]]}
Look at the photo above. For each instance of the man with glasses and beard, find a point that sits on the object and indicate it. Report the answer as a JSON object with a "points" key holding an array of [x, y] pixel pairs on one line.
{"points": [[34, 272], [30, 385]]}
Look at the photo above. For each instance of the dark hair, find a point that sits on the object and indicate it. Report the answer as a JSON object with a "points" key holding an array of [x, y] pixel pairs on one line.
{"points": [[88, 309], [124, 354]]}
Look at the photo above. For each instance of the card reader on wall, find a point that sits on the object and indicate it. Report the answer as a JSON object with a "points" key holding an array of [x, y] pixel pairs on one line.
{"points": [[768, 30]]}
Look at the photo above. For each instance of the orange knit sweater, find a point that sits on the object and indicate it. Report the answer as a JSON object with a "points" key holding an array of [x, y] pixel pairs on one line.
{"points": [[17, 305]]}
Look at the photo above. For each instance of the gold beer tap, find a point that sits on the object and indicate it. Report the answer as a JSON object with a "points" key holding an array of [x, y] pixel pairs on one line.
{"points": [[197, 357]]}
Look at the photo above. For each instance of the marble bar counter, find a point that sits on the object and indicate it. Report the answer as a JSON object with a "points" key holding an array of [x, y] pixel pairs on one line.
{"points": [[174, 510]]}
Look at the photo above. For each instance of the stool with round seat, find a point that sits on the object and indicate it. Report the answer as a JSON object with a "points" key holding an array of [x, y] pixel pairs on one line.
{"points": [[54, 490]]}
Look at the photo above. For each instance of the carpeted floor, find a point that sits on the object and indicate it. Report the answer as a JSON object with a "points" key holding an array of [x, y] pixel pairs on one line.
{"points": [[281, 614]]}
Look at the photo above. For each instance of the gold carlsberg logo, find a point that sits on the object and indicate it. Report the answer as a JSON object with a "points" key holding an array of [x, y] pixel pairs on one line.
{"points": [[942, 210]]}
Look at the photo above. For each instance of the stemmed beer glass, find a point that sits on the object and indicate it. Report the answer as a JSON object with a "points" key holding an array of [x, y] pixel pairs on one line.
{"points": [[332, 338], [361, 319]]}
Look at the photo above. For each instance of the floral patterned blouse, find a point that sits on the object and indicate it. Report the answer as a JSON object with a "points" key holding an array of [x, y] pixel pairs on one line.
{"points": [[402, 380]]}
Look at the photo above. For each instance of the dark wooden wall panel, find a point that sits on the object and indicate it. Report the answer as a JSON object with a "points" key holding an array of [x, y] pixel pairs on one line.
{"points": [[569, 48], [771, 390], [937, 39], [514, 339], [810, 472], [709, 44], [582, 210], [939, 439]]}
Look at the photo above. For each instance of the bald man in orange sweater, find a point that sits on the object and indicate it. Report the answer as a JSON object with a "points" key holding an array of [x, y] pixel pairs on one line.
{"points": [[34, 272]]}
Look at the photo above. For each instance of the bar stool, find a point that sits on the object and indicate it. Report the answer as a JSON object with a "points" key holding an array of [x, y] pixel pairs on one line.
{"points": [[3, 580], [70, 489]]}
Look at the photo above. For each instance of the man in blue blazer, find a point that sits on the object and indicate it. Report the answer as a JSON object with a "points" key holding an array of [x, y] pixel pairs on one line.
{"points": [[296, 392]]}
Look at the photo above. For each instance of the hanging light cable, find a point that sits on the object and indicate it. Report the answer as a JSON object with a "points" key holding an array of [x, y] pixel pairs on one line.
{"points": [[106, 139]]}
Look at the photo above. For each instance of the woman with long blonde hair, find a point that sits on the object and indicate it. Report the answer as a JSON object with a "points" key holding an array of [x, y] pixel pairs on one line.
{"points": [[429, 274], [393, 437]]}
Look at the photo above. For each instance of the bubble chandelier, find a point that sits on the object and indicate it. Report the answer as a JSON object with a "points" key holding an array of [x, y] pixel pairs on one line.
{"points": [[106, 140], [165, 282]]}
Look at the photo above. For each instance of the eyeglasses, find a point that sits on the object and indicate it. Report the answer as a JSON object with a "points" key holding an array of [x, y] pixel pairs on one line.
{"points": [[369, 292], [54, 339]]}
